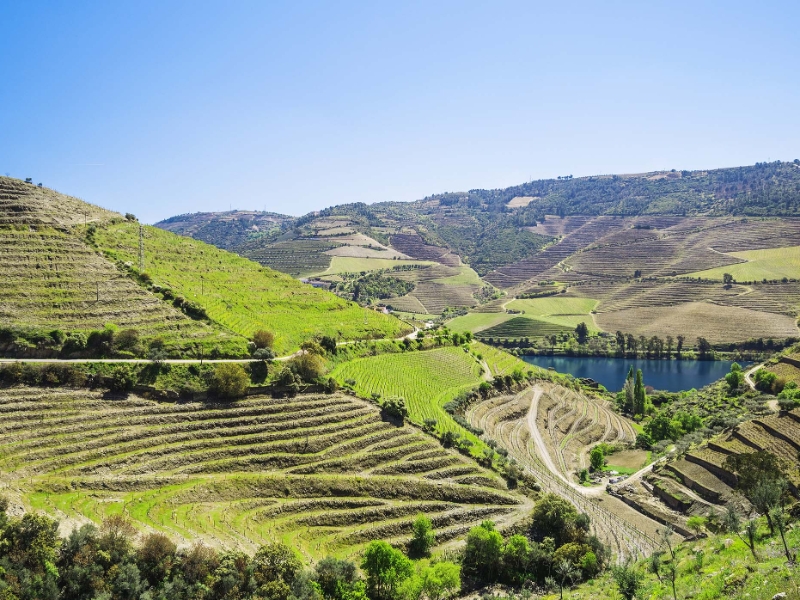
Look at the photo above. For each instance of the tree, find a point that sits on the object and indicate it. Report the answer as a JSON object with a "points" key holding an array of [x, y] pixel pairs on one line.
{"points": [[565, 572], [395, 407], [639, 394], [386, 569], [727, 279], [335, 577], [703, 348], [696, 523], [778, 518], [309, 367], [483, 553], [263, 338], [670, 344], [328, 344], [274, 568], [229, 380], [597, 458], [122, 379], [733, 523], [422, 538], [582, 332], [515, 564], [441, 580], [630, 344], [156, 557], [619, 339], [735, 378], [679, 348], [553, 517], [629, 581]]}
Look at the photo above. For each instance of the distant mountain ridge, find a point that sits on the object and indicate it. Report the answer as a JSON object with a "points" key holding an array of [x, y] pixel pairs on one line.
{"points": [[226, 230], [491, 229]]}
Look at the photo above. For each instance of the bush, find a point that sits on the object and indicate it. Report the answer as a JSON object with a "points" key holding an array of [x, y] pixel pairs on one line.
{"points": [[396, 407], [263, 339], [122, 379], [128, 339], [309, 367], [229, 380]]}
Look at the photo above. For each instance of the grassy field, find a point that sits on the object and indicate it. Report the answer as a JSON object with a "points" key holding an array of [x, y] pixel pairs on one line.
{"points": [[771, 263], [322, 473], [241, 295], [348, 264], [501, 363], [476, 322], [538, 317], [427, 380], [465, 276]]}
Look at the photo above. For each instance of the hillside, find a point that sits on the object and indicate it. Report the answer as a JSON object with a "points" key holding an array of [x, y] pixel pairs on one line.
{"points": [[72, 267], [227, 230], [322, 473], [646, 254]]}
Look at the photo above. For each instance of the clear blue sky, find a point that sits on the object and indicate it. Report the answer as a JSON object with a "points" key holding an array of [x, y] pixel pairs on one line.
{"points": [[161, 108]]}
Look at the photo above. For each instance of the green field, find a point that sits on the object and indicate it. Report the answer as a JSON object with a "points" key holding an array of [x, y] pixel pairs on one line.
{"points": [[501, 363], [466, 276], [241, 295], [427, 380], [770, 264], [347, 264], [538, 317], [322, 473], [544, 316], [476, 322]]}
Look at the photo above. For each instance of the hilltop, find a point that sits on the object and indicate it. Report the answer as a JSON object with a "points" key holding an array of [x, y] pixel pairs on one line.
{"points": [[71, 268], [645, 254]]}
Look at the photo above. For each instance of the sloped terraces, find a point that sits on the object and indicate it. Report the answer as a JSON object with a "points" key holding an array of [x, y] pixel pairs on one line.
{"points": [[413, 245], [701, 476], [26, 204], [530, 268], [323, 472], [52, 279]]}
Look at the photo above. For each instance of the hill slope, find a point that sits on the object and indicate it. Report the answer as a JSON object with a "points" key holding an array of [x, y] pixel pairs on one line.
{"points": [[69, 265], [322, 473]]}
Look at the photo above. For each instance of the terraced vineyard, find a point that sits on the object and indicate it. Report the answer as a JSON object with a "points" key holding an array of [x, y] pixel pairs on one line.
{"points": [[512, 422], [699, 482], [426, 380], [322, 473], [296, 257], [241, 295], [53, 280]]}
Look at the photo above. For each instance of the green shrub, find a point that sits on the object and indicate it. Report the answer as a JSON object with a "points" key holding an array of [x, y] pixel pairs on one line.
{"points": [[122, 379], [230, 380]]}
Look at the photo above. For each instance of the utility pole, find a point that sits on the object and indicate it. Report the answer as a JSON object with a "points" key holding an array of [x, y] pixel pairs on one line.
{"points": [[97, 289], [141, 249]]}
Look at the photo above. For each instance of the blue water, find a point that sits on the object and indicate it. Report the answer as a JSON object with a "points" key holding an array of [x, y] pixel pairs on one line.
{"points": [[669, 375]]}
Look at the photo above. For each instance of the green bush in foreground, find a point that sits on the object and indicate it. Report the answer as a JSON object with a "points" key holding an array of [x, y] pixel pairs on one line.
{"points": [[230, 380]]}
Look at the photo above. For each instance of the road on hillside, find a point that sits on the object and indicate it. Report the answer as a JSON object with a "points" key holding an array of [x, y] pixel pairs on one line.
{"points": [[630, 540]]}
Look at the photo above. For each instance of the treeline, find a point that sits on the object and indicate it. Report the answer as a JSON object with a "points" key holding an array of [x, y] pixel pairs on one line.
{"points": [[367, 287], [763, 189], [621, 345], [114, 562]]}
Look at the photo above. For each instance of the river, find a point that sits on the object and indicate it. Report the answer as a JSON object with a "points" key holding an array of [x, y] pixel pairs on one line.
{"points": [[669, 375]]}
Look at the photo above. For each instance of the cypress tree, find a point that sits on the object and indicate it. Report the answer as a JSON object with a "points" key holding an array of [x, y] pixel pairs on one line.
{"points": [[639, 396]]}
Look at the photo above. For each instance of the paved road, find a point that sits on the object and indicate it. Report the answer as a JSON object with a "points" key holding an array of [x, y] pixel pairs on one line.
{"points": [[748, 376]]}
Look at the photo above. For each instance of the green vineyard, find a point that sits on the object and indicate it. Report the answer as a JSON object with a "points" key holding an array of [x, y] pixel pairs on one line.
{"points": [[322, 473], [427, 380]]}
